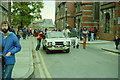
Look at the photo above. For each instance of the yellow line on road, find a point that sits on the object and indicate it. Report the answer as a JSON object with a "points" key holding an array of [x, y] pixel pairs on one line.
{"points": [[39, 67], [44, 66]]}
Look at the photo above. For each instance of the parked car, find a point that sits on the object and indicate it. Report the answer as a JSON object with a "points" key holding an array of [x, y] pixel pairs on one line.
{"points": [[56, 41]]}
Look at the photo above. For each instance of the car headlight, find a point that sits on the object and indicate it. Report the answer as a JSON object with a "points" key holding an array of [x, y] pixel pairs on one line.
{"points": [[67, 43], [49, 43], [53, 43]]}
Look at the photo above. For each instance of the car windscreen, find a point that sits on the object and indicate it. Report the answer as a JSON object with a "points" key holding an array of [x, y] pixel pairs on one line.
{"points": [[55, 35]]}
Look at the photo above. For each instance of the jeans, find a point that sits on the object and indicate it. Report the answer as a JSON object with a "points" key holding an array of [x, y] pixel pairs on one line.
{"points": [[89, 38], [7, 72], [92, 36], [38, 44]]}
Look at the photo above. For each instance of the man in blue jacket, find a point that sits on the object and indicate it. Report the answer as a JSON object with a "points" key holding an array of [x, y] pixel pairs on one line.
{"points": [[11, 45]]}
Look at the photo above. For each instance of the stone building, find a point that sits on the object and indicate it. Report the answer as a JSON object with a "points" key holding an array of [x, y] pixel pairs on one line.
{"points": [[3, 11]]}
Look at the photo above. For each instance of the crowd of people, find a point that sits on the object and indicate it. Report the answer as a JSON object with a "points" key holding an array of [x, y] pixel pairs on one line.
{"points": [[85, 34]]}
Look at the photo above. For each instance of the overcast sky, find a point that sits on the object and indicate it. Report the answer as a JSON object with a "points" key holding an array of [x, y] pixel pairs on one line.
{"points": [[48, 12]]}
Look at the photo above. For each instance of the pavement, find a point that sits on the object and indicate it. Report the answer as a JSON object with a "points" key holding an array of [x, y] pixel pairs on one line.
{"points": [[24, 61], [105, 45]]}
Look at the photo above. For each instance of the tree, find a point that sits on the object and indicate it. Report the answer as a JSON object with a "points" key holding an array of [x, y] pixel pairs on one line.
{"points": [[24, 12]]}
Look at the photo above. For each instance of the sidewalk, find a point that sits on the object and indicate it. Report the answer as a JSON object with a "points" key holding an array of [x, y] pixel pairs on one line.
{"points": [[104, 45], [24, 63], [97, 41]]}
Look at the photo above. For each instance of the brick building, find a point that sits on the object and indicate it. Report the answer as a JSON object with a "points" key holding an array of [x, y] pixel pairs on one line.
{"points": [[79, 14], [85, 14], [64, 14], [109, 13], [102, 15]]}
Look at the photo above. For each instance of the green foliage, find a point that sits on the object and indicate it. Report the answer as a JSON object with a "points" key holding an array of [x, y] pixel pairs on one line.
{"points": [[24, 12]]}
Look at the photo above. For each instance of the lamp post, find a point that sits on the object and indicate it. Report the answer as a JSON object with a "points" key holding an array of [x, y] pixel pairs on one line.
{"points": [[66, 15]]}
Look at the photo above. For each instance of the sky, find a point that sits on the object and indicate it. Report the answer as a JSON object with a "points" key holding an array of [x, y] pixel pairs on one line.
{"points": [[48, 12]]}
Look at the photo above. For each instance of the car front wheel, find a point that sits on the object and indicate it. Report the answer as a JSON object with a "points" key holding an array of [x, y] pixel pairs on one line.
{"points": [[68, 50], [47, 51]]}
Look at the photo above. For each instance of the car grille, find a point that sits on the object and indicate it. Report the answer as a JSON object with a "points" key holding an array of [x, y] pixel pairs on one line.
{"points": [[58, 43]]}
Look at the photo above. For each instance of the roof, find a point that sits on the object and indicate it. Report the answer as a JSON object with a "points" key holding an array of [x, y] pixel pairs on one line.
{"points": [[46, 23]]}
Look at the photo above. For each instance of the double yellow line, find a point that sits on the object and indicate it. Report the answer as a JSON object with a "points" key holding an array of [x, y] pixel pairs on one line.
{"points": [[41, 66]]}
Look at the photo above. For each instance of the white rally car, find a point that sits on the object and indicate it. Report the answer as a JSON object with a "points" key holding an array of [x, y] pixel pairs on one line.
{"points": [[56, 41]]}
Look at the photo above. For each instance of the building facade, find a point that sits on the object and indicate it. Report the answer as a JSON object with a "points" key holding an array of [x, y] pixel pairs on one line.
{"points": [[102, 15], [64, 14], [85, 14], [3, 11], [109, 14]]}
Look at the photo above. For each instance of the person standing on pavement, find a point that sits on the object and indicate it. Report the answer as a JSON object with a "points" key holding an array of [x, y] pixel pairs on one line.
{"points": [[11, 45], [84, 36], [92, 33], [39, 38], [18, 35], [117, 41], [24, 33], [12, 30], [89, 35]]}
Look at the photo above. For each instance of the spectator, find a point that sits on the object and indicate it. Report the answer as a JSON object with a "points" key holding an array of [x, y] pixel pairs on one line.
{"points": [[117, 41], [24, 33], [11, 45], [89, 35], [12, 30], [66, 32], [95, 33], [92, 33], [18, 35], [39, 38], [29, 32]]}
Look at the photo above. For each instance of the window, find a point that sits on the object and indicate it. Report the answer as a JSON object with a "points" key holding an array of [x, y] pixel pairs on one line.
{"points": [[96, 10], [107, 22], [78, 4]]}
